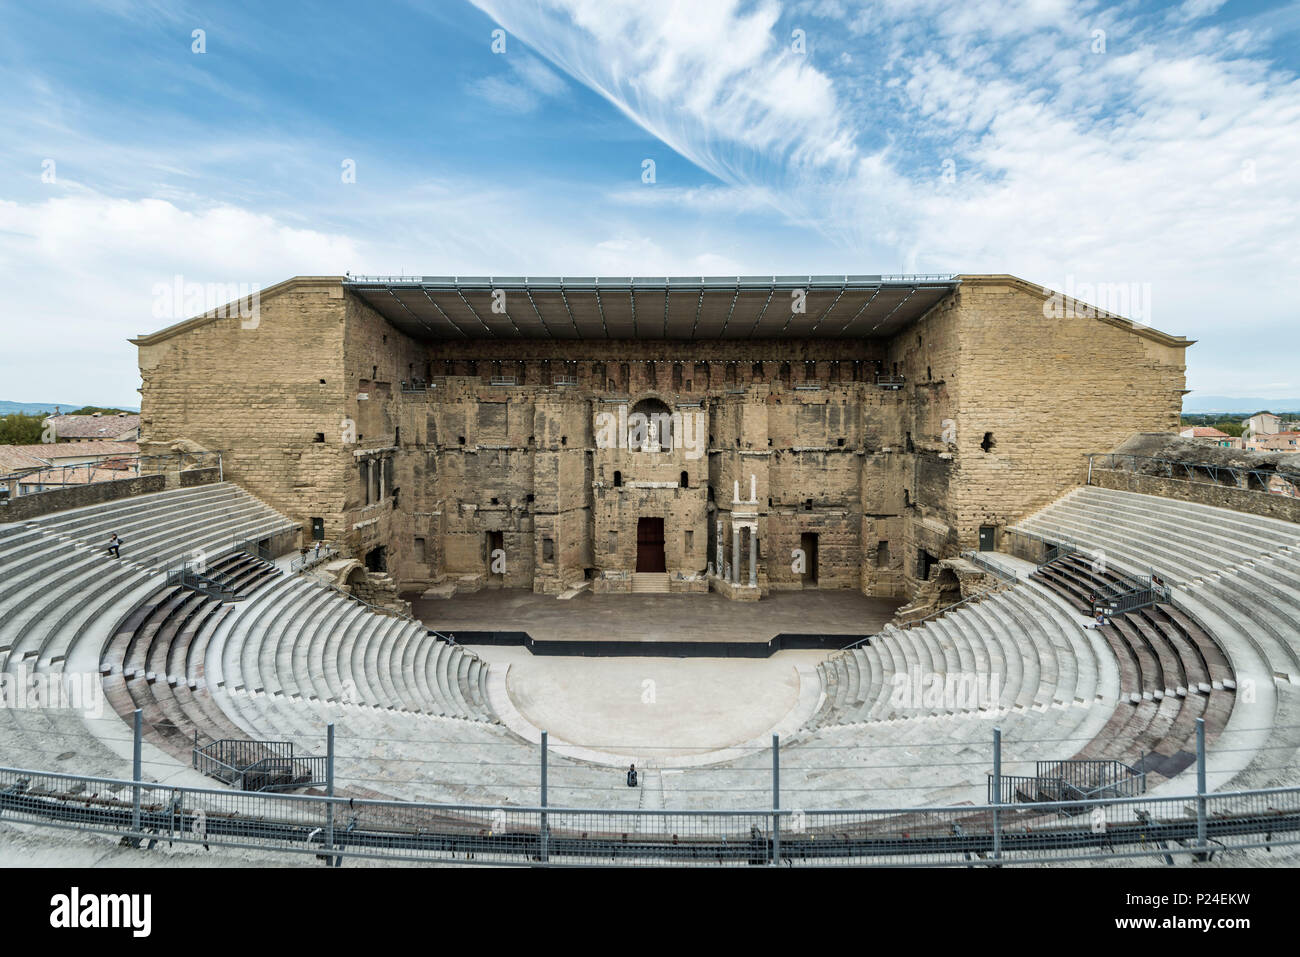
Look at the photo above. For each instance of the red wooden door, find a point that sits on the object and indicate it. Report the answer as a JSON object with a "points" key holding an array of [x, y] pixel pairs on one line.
{"points": [[650, 545]]}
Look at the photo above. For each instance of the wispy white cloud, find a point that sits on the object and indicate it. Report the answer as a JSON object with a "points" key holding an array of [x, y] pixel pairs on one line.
{"points": [[523, 88], [1042, 137]]}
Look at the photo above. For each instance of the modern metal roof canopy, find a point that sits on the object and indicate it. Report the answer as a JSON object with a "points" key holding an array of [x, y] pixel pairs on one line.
{"points": [[691, 307]]}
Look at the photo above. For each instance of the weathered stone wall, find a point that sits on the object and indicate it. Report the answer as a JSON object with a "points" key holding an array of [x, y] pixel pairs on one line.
{"points": [[882, 477], [1221, 496], [1041, 392], [260, 389], [21, 508]]}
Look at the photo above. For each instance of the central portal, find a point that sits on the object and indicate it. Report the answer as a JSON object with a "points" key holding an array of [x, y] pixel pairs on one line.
{"points": [[650, 545]]}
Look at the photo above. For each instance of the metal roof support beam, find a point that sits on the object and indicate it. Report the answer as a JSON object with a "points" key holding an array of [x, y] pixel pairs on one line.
{"points": [[815, 325], [573, 319], [698, 307], [865, 306], [910, 293], [398, 300], [538, 313], [424, 289], [600, 308], [762, 312], [474, 312], [727, 321]]}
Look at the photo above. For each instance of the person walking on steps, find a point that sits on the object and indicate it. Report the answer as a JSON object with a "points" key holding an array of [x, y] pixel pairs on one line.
{"points": [[631, 776], [114, 546]]}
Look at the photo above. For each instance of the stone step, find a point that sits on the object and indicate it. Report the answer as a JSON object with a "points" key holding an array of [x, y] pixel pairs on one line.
{"points": [[650, 583]]}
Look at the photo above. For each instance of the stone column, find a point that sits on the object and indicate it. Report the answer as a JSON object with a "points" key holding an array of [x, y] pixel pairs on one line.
{"points": [[753, 557], [735, 555], [718, 547]]}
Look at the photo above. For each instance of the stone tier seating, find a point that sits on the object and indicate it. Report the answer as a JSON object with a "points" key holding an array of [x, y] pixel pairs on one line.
{"points": [[1163, 654], [61, 593], [412, 716], [1235, 576], [1071, 690]]}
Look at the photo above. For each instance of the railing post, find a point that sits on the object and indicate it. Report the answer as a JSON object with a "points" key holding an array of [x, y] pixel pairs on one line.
{"points": [[997, 794], [1089, 469], [776, 799], [137, 772], [329, 786], [1200, 788], [544, 836]]}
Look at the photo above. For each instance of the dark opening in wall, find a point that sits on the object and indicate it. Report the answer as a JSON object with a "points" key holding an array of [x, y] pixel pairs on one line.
{"points": [[322, 381], [397, 435], [686, 480], [928, 376], [988, 443], [496, 501], [907, 499], [564, 440], [320, 437], [548, 549], [317, 529], [924, 562], [840, 443], [807, 505], [461, 439], [528, 497], [882, 554], [377, 559], [618, 479], [910, 446]]}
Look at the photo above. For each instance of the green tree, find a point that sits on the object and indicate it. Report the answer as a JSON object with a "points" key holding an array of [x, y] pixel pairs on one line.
{"points": [[92, 409], [19, 428]]}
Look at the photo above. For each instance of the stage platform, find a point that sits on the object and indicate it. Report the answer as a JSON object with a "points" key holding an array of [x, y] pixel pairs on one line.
{"points": [[657, 625]]}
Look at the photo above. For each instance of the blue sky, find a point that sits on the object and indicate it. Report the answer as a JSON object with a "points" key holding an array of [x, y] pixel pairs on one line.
{"points": [[1148, 146]]}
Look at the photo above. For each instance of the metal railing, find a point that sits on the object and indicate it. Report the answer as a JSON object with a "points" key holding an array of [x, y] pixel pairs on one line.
{"points": [[1268, 481], [891, 381], [1114, 819], [259, 765], [188, 575], [1117, 599], [313, 557], [1068, 781], [977, 558], [1125, 594], [106, 468], [1055, 552], [257, 547], [331, 829], [1044, 548]]}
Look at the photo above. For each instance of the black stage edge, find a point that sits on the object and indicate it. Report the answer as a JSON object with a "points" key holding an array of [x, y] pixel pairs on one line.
{"points": [[657, 649]]}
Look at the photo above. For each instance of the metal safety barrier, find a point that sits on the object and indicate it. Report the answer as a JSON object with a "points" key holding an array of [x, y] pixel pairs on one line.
{"points": [[1113, 819]]}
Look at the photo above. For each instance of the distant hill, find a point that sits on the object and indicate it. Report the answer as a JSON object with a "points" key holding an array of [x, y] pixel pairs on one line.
{"points": [[34, 408], [1225, 403]]}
